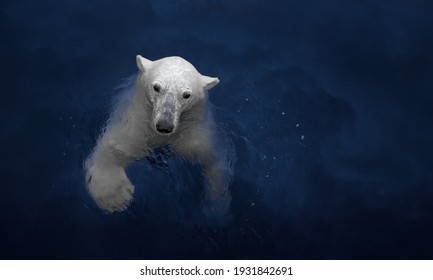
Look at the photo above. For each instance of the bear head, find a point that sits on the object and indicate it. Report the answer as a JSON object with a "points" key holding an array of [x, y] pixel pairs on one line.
{"points": [[172, 86]]}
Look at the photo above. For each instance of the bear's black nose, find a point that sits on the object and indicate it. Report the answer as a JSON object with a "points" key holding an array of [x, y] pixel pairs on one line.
{"points": [[164, 127]]}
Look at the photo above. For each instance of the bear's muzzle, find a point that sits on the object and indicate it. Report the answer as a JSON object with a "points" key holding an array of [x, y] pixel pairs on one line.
{"points": [[164, 126]]}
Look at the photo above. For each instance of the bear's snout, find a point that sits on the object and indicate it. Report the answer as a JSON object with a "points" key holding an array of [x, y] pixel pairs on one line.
{"points": [[165, 115], [164, 126]]}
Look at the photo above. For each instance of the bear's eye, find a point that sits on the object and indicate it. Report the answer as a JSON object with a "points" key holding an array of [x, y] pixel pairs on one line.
{"points": [[186, 95], [156, 87]]}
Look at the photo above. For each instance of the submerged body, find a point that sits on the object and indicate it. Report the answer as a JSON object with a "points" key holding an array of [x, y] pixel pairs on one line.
{"points": [[168, 108]]}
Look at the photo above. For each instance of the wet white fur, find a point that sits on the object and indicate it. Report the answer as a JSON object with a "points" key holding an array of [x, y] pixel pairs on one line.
{"points": [[131, 133]]}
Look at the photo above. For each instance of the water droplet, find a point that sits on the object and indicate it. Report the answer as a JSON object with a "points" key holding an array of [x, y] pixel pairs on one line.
{"points": [[283, 113], [297, 125], [252, 204], [302, 137]]}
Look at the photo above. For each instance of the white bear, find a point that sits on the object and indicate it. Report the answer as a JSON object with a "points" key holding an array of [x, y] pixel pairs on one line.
{"points": [[167, 107]]}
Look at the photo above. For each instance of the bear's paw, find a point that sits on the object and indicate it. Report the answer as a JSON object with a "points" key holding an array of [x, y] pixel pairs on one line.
{"points": [[111, 189]]}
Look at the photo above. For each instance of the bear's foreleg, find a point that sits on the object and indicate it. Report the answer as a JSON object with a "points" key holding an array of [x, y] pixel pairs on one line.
{"points": [[197, 146], [217, 192], [106, 178]]}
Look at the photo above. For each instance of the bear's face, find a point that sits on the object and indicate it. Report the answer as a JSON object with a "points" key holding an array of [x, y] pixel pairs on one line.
{"points": [[172, 86]]}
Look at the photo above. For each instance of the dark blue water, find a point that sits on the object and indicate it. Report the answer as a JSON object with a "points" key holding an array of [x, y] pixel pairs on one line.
{"points": [[326, 105]]}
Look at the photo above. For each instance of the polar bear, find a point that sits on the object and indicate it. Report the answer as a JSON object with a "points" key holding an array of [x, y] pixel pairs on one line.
{"points": [[167, 108]]}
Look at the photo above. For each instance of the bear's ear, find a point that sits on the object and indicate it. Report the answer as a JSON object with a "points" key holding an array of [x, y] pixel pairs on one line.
{"points": [[208, 82], [142, 63]]}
